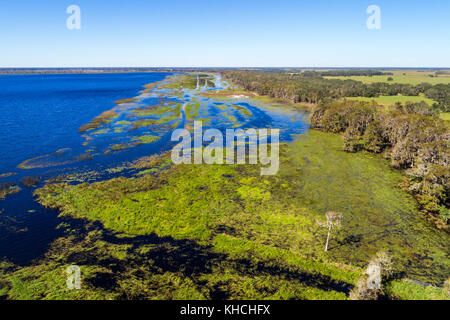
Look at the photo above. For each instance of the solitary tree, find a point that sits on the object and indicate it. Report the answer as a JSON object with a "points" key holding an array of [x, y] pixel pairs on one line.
{"points": [[334, 219]]}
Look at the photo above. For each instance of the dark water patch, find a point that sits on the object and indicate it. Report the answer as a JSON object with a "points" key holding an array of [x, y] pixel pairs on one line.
{"points": [[26, 228]]}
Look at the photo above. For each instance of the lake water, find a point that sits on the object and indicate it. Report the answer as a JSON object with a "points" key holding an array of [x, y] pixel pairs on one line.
{"points": [[40, 117]]}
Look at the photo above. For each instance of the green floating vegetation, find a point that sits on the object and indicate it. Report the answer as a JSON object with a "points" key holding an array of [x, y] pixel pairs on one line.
{"points": [[45, 281], [99, 121], [122, 122], [192, 110], [126, 100], [76, 177], [407, 290], [60, 157], [8, 174], [445, 116], [146, 139], [120, 146], [243, 111], [272, 220], [7, 188]]}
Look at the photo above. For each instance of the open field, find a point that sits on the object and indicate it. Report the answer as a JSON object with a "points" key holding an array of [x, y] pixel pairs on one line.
{"points": [[391, 100], [407, 77]]}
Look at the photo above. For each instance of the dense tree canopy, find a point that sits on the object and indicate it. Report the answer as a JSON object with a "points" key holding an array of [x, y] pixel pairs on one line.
{"points": [[311, 87], [410, 135]]}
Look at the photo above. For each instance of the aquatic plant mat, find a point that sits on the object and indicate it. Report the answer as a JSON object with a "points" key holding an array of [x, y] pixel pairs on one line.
{"points": [[226, 232]]}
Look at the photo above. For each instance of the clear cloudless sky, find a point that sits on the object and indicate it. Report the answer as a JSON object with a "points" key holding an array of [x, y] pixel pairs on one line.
{"points": [[226, 33]]}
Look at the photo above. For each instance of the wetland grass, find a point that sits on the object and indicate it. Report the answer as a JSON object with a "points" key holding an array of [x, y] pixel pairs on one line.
{"points": [[99, 121], [223, 211]]}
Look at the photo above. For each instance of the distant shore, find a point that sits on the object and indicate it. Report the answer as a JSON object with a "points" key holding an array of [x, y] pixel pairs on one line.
{"points": [[26, 71]]}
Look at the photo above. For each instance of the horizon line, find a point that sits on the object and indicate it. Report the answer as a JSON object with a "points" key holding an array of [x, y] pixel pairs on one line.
{"points": [[222, 67]]}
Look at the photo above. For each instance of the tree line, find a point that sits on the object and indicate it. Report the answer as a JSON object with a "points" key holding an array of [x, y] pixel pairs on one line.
{"points": [[408, 135], [311, 87], [414, 143]]}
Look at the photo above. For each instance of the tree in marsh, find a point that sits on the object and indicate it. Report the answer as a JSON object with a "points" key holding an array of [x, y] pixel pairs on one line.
{"points": [[334, 219]]}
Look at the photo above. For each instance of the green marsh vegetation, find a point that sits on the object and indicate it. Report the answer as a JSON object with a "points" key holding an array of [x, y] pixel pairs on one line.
{"points": [[7, 188], [415, 143], [8, 174], [126, 100], [99, 121], [445, 116], [133, 114], [206, 231]]}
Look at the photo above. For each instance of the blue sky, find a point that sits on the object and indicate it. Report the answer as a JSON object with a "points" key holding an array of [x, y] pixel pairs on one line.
{"points": [[233, 33]]}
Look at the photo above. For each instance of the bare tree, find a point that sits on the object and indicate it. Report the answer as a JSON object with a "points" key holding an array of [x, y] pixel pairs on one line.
{"points": [[334, 219]]}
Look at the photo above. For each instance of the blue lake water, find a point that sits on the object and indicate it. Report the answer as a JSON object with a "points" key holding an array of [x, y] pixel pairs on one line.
{"points": [[41, 114]]}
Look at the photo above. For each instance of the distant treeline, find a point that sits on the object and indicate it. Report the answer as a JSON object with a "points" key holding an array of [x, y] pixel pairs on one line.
{"points": [[311, 87], [349, 73], [415, 143]]}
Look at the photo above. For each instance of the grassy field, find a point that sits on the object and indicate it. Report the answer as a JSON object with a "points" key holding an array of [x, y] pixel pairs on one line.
{"points": [[400, 76], [391, 100], [445, 116]]}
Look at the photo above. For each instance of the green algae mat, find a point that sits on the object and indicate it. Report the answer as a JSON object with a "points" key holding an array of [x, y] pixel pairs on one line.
{"points": [[202, 231]]}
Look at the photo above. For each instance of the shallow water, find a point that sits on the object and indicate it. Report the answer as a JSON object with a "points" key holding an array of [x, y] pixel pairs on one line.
{"points": [[40, 116]]}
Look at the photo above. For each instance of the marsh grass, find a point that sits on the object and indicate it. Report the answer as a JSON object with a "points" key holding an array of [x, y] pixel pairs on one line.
{"points": [[126, 100], [7, 188], [257, 230], [406, 290], [99, 121]]}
